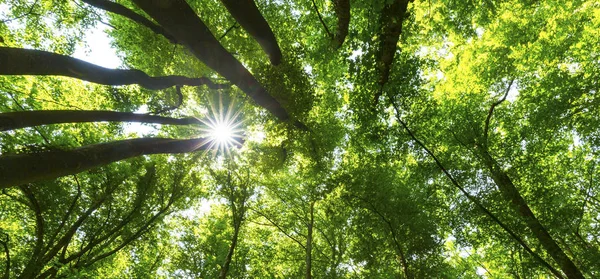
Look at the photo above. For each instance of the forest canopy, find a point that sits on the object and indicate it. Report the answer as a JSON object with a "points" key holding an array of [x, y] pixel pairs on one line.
{"points": [[300, 139]]}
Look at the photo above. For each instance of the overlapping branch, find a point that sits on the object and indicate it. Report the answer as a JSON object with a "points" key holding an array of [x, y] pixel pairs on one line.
{"points": [[18, 61]]}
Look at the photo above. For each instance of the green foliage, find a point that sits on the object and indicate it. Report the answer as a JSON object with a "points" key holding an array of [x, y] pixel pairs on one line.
{"points": [[515, 79]]}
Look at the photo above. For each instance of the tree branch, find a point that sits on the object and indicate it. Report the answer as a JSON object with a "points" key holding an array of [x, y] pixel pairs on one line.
{"points": [[342, 10], [321, 19], [491, 111], [279, 228], [246, 13], [124, 11], [234, 25], [22, 119], [472, 198], [25, 168], [18, 61], [180, 20]]}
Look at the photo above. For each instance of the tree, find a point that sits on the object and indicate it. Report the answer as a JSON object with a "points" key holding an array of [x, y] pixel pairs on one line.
{"points": [[375, 139]]}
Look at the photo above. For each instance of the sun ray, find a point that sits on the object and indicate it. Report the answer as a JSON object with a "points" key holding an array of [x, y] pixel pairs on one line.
{"points": [[222, 127]]}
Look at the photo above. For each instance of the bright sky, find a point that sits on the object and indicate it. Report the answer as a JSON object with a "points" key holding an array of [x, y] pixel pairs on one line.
{"points": [[98, 50]]}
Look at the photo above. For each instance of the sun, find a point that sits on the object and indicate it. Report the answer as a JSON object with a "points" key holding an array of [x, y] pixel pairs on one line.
{"points": [[222, 127]]}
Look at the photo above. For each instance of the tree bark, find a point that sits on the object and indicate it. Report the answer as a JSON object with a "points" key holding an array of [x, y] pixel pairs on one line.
{"points": [[342, 10], [309, 239], [26, 168], [178, 18], [18, 61], [391, 21], [234, 240], [124, 11], [246, 13], [22, 119], [4, 244], [511, 193]]}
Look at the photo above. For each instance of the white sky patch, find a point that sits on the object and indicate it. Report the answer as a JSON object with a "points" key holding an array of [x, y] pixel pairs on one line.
{"points": [[201, 211], [513, 92], [140, 129], [98, 50], [356, 54]]}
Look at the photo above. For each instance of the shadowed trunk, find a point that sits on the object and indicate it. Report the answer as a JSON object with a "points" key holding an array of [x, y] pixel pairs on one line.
{"points": [[22, 119], [25, 168], [234, 240], [178, 18], [249, 17], [511, 193], [309, 239], [124, 11], [18, 61], [4, 244], [391, 27], [342, 10]]}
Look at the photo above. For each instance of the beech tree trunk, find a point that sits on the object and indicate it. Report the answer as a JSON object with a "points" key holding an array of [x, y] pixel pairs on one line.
{"points": [[392, 18], [22, 119], [31, 167], [18, 61], [511, 193], [309, 239], [342, 10], [234, 240], [249, 17], [178, 18]]}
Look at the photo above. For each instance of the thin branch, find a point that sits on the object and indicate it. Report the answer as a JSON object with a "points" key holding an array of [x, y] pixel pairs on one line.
{"points": [[30, 12], [177, 105], [235, 25], [491, 111], [321, 19], [279, 228], [472, 198]]}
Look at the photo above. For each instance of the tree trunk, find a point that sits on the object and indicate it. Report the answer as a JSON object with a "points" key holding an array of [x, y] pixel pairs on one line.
{"points": [[511, 193], [342, 10], [178, 18], [234, 240], [26, 168], [124, 11], [392, 18], [4, 244], [22, 119], [249, 17], [18, 61], [309, 238]]}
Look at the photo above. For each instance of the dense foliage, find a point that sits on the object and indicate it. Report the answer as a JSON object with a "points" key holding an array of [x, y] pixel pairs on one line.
{"points": [[381, 139]]}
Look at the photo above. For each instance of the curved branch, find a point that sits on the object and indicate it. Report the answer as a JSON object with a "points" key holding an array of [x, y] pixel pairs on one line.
{"points": [[31, 167], [249, 17], [18, 61], [491, 111], [124, 11], [22, 119]]}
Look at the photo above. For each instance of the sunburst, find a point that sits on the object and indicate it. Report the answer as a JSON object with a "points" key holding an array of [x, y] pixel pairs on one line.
{"points": [[223, 127]]}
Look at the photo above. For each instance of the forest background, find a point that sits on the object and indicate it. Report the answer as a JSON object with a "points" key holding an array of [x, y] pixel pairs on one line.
{"points": [[366, 139]]}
